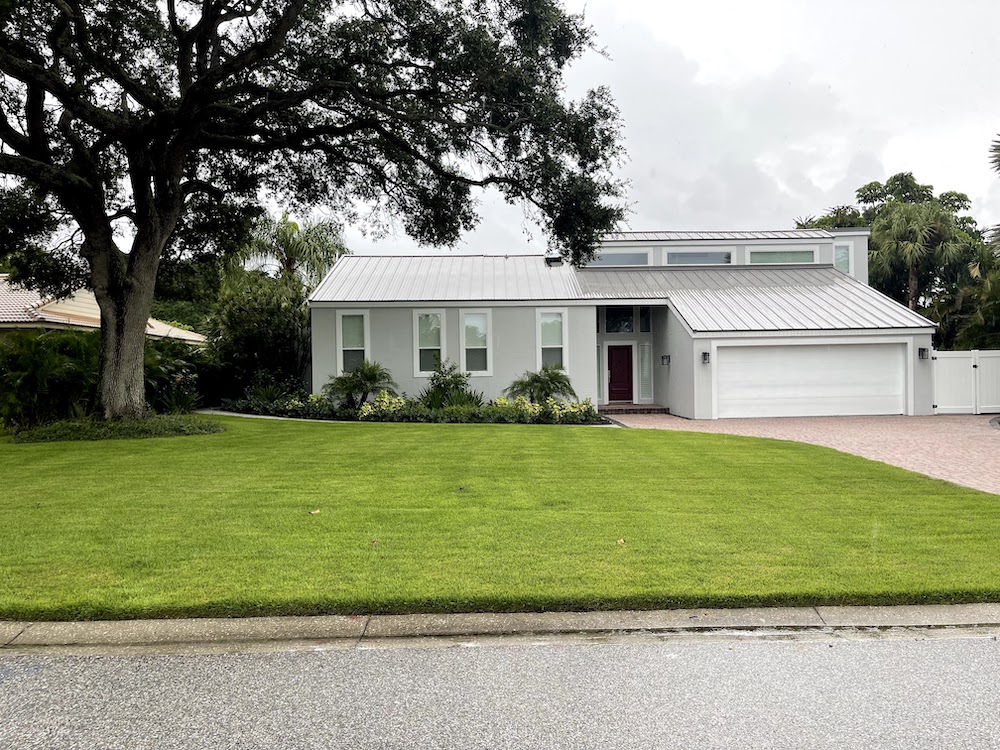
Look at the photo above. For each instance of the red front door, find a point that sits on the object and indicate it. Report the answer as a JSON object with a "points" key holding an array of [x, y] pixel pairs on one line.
{"points": [[619, 373]]}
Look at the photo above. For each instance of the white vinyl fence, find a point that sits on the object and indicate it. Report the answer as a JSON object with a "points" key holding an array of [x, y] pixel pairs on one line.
{"points": [[967, 382]]}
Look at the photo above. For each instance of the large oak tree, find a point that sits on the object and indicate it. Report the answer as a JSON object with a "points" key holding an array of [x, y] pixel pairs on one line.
{"points": [[123, 117]]}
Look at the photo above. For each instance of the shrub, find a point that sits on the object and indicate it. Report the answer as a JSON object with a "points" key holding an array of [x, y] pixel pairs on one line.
{"points": [[165, 425], [539, 387], [295, 406], [260, 324], [389, 408], [47, 376], [171, 369], [353, 388], [446, 386]]}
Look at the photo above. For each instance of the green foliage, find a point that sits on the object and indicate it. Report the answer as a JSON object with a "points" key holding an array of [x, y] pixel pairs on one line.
{"points": [[165, 425], [835, 217], [923, 252], [52, 375], [261, 325], [538, 387], [47, 376], [390, 408], [28, 251], [304, 254], [171, 369], [354, 387], [446, 386], [290, 405], [906, 236]]}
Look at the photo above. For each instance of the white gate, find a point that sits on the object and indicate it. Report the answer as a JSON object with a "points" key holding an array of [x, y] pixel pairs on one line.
{"points": [[967, 382]]}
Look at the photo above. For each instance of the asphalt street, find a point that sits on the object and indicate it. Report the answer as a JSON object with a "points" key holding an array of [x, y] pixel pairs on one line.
{"points": [[907, 691]]}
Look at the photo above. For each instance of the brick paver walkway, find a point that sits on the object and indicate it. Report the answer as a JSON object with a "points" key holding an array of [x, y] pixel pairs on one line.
{"points": [[962, 449]]}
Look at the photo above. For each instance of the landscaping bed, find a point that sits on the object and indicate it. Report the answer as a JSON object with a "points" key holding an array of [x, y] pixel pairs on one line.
{"points": [[276, 517]]}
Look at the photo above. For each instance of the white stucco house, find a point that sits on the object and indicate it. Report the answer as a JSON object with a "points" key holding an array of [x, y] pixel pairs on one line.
{"points": [[707, 325]]}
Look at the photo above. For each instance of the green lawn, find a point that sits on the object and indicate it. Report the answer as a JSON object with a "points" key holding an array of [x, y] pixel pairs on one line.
{"points": [[473, 517]]}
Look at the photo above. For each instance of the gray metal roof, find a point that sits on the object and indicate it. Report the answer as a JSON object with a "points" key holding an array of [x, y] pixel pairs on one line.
{"points": [[752, 298], [708, 298], [446, 278], [780, 234]]}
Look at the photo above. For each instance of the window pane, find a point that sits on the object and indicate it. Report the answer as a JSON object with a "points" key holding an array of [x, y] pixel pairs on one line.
{"points": [[475, 329], [353, 331], [699, 259], [429, 359], [353, 358], [619, 320], [620, 259], [552, 329], [782, 256], [645, 319], [842, 258], [475, 360], [552, 357], [429, 325]]}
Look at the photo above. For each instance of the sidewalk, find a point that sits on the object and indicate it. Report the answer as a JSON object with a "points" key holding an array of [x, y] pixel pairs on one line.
{"points": [[369, 629]]}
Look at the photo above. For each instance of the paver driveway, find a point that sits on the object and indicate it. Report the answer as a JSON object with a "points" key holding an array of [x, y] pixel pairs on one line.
{"points": [[962, 449]]}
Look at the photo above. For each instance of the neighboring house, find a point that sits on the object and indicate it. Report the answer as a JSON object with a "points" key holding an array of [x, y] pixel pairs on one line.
{"points": [[21, 308], [706, 324]]}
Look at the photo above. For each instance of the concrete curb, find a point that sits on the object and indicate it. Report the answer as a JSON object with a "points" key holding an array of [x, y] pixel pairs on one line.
{"points": [[359, 629]]}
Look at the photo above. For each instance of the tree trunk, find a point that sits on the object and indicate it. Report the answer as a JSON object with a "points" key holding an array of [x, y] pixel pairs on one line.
{"points": [[914, 290], [126, 300]]}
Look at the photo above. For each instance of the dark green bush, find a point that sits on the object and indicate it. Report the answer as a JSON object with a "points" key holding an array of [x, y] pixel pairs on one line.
{"points": [[446, 386], [164, 425], [53, 375], [45, 376]]}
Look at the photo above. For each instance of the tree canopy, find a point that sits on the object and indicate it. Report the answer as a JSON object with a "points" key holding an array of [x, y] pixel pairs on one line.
{"points": [[124, 119], [925, 252]]}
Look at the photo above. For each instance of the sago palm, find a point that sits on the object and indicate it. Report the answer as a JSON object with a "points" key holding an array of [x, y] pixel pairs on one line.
{"points": [[538, 387]]}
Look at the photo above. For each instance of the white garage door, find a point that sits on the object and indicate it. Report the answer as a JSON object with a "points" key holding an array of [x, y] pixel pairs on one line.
{"points": [[808, 381]]}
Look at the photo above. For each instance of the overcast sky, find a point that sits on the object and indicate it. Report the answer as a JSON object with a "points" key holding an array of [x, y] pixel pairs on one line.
{"points": [[742, 115]]}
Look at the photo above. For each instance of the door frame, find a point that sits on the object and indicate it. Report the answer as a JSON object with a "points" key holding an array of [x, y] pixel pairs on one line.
{"points": [[607, 373]]}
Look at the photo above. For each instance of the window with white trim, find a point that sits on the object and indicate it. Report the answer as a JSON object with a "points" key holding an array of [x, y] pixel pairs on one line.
{"points": [[552, 338], [477, 357], [353, 344], [428, 341], [842, 258]]}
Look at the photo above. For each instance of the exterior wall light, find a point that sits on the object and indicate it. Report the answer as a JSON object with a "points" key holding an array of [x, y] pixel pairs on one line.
{"points": [[665, 360], [706, 357], [923, 353]]}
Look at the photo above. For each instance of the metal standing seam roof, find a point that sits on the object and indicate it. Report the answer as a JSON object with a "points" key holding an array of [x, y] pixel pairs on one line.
{"points": [[446, 278], [751, 298], [708, 298], [676, 236]]}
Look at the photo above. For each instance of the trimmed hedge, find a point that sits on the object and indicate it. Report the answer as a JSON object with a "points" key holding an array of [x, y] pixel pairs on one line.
{"points": [[388, 408], [164, 425]]}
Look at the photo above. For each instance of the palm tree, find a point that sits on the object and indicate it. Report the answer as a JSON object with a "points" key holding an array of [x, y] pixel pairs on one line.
{"points": [[300, 253], [910, 235], [538, 387], [355, 386]]}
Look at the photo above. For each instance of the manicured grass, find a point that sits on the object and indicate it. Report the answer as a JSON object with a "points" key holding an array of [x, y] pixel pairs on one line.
{"points": [[473, 517]]}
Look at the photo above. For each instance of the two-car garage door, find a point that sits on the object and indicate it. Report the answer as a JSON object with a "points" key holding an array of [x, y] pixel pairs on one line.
{"points": [[810, 380]]}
